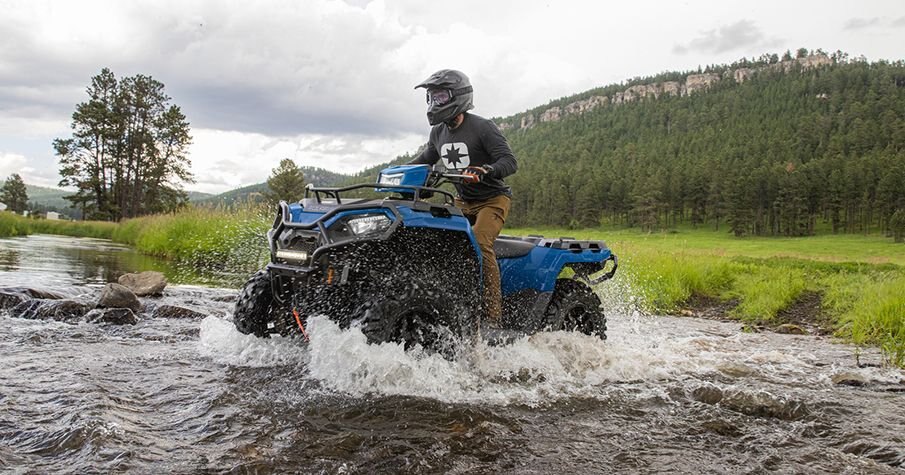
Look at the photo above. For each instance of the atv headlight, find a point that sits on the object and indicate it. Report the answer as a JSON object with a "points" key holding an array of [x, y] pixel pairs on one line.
{"points": [[394, 179], [372, 224]]}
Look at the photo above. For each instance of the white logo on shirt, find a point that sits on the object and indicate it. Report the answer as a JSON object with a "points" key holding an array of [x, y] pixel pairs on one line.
{"points": [[455, 155]]}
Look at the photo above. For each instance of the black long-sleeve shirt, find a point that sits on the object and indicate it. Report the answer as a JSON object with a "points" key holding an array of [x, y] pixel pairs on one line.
{"points": [[475, 142]]}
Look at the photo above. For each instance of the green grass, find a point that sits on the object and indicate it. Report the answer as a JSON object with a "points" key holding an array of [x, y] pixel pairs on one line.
{"points": [[15, 225], [203, 237]]}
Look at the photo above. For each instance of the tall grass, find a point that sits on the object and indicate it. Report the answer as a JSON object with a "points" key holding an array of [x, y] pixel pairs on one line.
{"points": [[871, 310], [215, 239], [763, 291], [664, 281], [14, 225]]}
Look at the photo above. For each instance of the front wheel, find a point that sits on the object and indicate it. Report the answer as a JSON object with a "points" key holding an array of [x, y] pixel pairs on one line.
{"points": [[255, 306], [417, 316], [575, 307]]}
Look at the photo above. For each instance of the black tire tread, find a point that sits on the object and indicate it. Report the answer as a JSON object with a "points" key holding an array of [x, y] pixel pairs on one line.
{"points": [[572, 297]]}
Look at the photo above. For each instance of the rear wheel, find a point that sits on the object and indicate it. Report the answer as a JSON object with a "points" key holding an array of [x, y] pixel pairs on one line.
{"points": [[575, 307]]}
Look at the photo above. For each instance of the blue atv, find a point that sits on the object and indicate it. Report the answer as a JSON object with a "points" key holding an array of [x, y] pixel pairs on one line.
{"points": [[404, 266]]}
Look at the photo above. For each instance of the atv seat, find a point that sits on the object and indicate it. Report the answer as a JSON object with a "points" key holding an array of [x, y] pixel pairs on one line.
{"points": [[507, 247]]}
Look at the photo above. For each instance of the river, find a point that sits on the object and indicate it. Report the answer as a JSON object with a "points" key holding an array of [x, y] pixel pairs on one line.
{"points": [[193, 395]]}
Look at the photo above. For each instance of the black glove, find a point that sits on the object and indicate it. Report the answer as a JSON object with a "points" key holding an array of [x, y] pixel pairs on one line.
{"points": [[476, 174]]}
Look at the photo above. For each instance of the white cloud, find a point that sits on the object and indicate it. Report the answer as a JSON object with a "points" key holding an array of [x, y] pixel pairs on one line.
{"points": [[225, 160]]}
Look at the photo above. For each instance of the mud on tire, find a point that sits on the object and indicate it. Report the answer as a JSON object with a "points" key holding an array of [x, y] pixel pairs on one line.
{"points": [[575, 307]]}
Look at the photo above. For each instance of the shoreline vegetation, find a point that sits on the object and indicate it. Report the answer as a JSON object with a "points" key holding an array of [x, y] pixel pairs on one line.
{"points": [[847, 285]]}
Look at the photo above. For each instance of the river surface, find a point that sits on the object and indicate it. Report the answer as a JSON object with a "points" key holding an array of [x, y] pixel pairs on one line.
{"points": [[195, 396]]}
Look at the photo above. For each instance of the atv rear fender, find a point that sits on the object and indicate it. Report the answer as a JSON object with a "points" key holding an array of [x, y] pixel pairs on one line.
{"points": [[540, 268]]}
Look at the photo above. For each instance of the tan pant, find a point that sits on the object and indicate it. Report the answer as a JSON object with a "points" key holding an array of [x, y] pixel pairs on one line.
{"points": [[487, 219]]}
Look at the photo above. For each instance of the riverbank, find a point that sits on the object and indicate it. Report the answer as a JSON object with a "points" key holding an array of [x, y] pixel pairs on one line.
{"points": [[848, 285]]}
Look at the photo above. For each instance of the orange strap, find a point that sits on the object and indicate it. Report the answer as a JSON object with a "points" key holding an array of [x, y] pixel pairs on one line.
{"points": [[299, 321]]}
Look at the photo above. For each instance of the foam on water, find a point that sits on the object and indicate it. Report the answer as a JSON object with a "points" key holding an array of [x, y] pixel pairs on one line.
{"points": [[220, 341], [539, 369]]}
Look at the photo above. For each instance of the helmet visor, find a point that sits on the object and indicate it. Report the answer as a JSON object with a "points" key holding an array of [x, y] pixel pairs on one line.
{"points": [[439, 97]]}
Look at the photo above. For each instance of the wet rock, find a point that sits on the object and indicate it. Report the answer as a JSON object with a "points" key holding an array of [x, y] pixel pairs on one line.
{"points": [[12, 296], [118, 296], [115, 316], [144, 283], [764, 404], [35, 293], [708, 394], [61, 310], [849, 378], [225, 298], [790, 329], [722, 427], [9, 300], [172, 311], [737, 370]]}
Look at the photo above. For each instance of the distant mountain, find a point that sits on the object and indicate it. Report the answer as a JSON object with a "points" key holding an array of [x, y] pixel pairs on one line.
{"points": [[313, 175], [198, 196], [42, 199]]}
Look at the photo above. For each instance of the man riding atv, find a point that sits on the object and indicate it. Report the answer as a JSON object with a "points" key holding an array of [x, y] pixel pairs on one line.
{"points": [[475, 147]]}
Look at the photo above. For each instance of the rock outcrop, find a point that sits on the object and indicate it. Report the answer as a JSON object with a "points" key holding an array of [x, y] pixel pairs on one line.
{"points": [[693, 84]]}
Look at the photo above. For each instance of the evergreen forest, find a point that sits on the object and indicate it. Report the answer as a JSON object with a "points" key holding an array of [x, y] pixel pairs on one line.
{"points": [[784, 152]]}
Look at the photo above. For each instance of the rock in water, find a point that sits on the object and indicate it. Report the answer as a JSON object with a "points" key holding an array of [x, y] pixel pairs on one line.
{"points": [[172, 311], [116, 316], [62, 310], [118, 296], [12, 296], [790, 329], [9, 300], [849, 378], [144, 283]]}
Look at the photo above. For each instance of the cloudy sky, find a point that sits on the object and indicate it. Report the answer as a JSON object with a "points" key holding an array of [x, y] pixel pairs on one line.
{"points": [[330, 83]]}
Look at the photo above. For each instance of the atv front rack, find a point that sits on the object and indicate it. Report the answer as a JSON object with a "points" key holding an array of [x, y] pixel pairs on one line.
{"points": [[419, 193]]}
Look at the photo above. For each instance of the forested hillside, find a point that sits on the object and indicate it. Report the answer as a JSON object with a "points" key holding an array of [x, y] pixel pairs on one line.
{"points": [[778, 150]]}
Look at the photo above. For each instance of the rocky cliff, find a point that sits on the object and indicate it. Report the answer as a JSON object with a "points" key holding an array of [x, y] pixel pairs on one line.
{"points": [[692, 84]]}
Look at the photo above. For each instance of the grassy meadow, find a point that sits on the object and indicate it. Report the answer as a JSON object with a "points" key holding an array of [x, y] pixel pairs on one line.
{"points": [[859, 279]]}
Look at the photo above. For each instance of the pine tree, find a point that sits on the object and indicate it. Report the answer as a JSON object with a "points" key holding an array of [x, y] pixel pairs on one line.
{"points": [[128, 154], [14, 195], [286, 183]]}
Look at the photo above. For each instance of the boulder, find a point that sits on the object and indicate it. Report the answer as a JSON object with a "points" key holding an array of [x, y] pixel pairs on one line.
{"points": [[118, 296], [115, 316], [9, 300], [144, 283], [40, 309], [172, 311], [12, 296]]}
